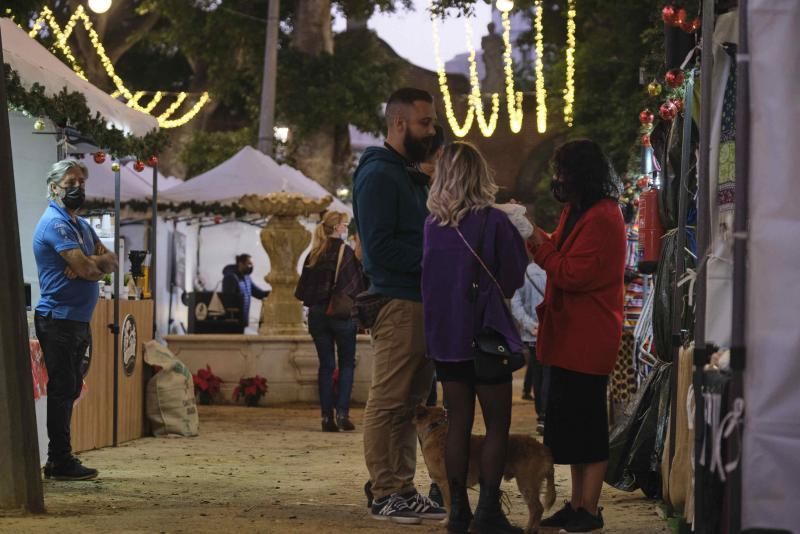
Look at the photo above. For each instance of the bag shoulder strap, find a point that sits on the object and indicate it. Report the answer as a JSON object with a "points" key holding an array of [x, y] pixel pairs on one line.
{"points": [[480, 262], [533, 283]]}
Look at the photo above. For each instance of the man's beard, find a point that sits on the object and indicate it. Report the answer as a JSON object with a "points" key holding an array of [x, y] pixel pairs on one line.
{"points": [[417, 148]]}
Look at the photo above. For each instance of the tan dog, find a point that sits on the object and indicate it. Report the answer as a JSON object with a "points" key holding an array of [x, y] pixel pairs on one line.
{"points": [[528, 461]]}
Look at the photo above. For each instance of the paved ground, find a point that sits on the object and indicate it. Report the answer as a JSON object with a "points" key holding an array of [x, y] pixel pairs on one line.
{"points": [[259, 470]]}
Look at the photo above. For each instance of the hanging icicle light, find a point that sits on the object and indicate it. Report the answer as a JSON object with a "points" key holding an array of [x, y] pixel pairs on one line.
{"points": [[541, 92], [487, 128], [458, 130], [569, 91]]}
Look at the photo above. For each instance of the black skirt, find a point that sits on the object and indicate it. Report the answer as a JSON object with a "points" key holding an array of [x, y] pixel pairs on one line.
{"points": [[576, 428]]}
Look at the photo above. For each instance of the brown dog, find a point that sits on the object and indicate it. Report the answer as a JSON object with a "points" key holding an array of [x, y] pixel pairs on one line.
{"points": [[528, 461]]}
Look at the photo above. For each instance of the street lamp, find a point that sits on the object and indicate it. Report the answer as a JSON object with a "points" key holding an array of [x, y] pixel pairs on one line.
{"points": [[99, 6], [504, 6]]}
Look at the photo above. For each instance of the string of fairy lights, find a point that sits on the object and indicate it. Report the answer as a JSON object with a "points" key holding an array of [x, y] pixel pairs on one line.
{"points": [[513, 98], [165, 119]]}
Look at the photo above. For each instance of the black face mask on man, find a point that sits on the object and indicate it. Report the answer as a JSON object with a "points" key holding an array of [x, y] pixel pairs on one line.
{"points": [[248, 270], [560, 190], [74, 197]]}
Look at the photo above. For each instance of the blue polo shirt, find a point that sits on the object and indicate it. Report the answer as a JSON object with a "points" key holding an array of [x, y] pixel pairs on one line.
{"points": [[63, 298]]}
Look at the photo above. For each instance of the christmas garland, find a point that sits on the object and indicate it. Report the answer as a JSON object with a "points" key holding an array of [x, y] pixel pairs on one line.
{"points": [[195, 208], [70, 108]]}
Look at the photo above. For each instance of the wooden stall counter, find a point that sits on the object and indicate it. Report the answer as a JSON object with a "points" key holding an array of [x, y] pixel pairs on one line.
{"points": [[93, 417]]}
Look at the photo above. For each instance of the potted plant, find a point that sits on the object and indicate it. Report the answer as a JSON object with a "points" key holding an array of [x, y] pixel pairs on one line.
{"points": [[252, 389], [206, 384]]}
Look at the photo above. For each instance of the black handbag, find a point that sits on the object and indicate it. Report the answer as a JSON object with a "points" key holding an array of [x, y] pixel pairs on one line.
{"points": [[493, 356]]}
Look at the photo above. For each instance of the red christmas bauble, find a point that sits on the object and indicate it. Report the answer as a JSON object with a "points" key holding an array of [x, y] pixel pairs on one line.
{"points": [[668, 15], [217, 219], [99, 157], [695, 25], [152, 161], [680, 17], [645, 140], [646, 116], [643, 182], [138, 166], [678, 103], [687, 26], [667, 111], [675, 78]]}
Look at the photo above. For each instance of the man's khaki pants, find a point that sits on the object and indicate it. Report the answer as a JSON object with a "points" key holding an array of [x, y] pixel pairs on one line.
{"points": [[401, 380]]}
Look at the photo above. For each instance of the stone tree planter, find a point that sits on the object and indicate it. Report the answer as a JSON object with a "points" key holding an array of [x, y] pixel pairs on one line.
{"points": [[284, 239]]}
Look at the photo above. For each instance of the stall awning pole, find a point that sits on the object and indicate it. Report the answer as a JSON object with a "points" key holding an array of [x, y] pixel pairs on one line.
{"points": [[701, 351], [154, 251], [115, 326], [741, 218]]}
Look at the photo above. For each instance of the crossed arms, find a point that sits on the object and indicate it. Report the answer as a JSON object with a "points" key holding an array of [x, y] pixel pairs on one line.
{"points": [[92, 268]]}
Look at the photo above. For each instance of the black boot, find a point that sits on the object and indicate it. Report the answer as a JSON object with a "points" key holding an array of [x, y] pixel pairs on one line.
{"points": [[460, 516], [489, 516]]}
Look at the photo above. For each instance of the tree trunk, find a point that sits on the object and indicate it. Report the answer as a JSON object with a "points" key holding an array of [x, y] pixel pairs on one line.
{"points": [[318, 155]]}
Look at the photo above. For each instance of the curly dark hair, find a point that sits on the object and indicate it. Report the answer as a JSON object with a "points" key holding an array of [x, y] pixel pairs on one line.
{"points": [[587, 171]]}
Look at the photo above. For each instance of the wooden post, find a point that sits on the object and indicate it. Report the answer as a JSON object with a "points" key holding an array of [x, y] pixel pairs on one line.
{"points": [[20, 476]]}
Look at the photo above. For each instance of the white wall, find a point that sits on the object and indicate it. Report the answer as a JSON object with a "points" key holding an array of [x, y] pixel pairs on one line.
{"points": [[32, 155]]}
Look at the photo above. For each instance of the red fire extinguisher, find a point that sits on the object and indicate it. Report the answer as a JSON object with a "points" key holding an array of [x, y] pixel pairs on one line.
{"points": [[650, 231]]}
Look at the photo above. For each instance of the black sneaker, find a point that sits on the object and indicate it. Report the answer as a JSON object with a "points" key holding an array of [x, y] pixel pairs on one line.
{"points": [[527, 397], [344, 423], [72, 469], [583, 521], [435, 494], [540, 429], [394, 508], [560, 518], [424, 507]]}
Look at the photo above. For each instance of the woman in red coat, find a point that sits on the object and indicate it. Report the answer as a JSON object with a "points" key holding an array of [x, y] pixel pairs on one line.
{"points": [[580, 322]]}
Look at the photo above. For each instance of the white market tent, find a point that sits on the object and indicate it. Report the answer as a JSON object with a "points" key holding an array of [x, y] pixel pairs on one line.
{"points": [[35, 64], [247, 172], [133, 185]]}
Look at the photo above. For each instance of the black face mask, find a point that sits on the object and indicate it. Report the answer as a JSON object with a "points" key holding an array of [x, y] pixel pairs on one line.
{"points": [[73, 197], [416, 149], [249, 270], [560, 190]]}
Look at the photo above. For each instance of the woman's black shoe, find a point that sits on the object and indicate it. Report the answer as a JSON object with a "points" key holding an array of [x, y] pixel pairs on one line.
{"points": [[329, 425], [460, 515], [344, 423], [489, 516], [560, 518]]}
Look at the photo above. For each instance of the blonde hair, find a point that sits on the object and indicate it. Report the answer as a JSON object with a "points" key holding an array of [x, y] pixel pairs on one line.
{"points": [[322, 233], [463, 184]]}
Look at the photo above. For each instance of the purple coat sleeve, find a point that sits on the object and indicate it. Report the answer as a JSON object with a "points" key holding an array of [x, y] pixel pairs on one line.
{"points": [[510, 256]]}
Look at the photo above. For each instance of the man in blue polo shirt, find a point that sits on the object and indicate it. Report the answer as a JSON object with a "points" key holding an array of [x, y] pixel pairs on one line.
{"points": [[70, 259]]}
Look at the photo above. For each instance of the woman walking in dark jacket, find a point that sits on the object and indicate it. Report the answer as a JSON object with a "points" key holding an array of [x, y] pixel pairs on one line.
{"points": [[330, 269], [461, 217]]}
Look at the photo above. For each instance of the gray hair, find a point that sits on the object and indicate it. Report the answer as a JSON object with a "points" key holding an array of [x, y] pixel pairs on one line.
{"points": [[59, 169]]}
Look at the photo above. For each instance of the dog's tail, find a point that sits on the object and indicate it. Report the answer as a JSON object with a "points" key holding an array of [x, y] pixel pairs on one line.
{"points": [[550, 496]]}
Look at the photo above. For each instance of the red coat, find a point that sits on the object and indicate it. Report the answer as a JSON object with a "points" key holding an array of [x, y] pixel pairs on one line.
{"points": [[580, 319]]}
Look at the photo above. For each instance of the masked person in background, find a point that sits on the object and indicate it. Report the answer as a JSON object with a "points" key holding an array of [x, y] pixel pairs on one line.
{"points": [[236, 281], [70, 260]]}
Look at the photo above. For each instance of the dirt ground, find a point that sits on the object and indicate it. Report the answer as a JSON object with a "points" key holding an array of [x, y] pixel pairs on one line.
{"points": [[264, 470]]}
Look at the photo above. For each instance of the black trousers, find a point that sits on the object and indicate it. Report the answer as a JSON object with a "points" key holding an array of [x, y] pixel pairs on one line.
{"points": [[64, 345], [537, 377]]}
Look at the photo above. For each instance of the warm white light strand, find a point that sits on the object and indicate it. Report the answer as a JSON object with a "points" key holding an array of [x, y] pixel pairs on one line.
{"points": [[457, 129], [541, 92], [569, 91], [487, 128], [513, 98]]}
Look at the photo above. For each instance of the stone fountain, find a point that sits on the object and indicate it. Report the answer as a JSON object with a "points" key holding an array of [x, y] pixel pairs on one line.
{"points": [[284, 239]]}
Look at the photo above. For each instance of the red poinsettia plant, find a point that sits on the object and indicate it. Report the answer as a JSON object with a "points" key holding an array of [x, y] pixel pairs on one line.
{"points": [[251, 388], [206, 384]]}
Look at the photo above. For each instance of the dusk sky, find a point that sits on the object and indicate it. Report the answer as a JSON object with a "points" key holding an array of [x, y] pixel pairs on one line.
{"points": [[409, 33]]}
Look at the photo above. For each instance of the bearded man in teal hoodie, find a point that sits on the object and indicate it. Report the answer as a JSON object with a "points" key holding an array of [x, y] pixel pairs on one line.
{"points": [[389, 203]]}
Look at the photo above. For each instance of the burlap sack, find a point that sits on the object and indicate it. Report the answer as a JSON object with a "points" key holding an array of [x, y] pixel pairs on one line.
{"points": [[170, 400]]}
